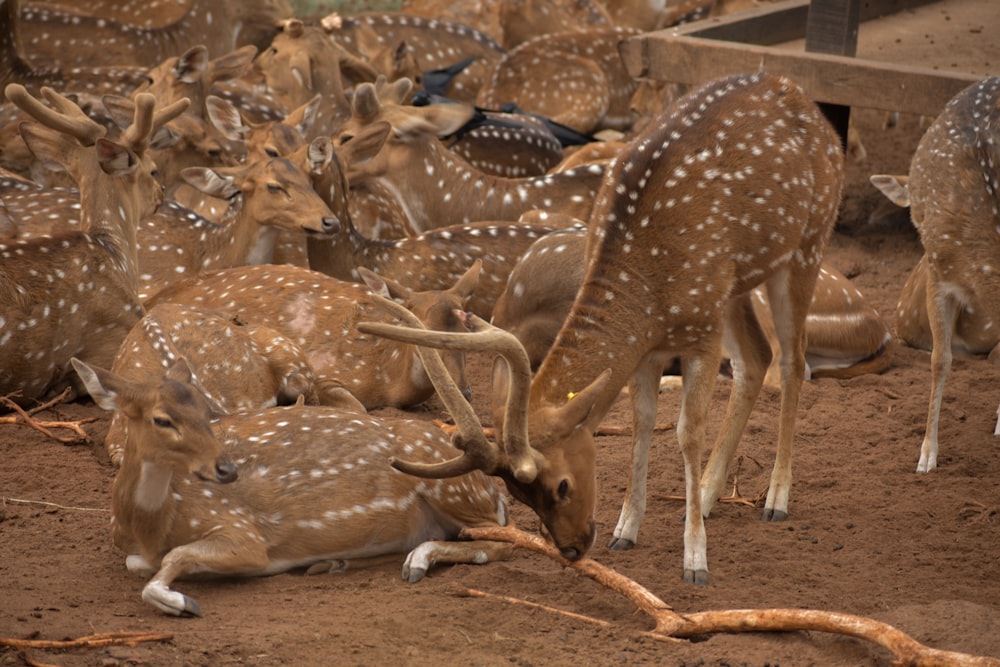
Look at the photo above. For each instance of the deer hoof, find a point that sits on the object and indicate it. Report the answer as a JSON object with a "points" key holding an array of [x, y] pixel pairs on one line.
{"points": [[620, 544], [413, 574], [696, 577], [773, 515]]}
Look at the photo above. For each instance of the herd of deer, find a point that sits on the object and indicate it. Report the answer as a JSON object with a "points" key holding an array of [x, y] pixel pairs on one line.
{"points": [[241, 256]]}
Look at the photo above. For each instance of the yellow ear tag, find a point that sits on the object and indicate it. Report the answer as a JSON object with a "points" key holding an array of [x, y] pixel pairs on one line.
{"points": [[570, 395]]}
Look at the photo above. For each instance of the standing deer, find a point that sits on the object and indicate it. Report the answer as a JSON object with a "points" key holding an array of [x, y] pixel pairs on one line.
{"points": [[75, 294], [951, 301], [265, 492], [737, 186]]}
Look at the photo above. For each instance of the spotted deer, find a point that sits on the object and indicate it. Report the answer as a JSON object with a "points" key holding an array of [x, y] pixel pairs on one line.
{"points": [[264, 492], [437, 186], [738, 186], [431, 260], [76, 294], [435, 43], [318, 313], [110, 32], [574, 77], [237, 366], [951, 301]]}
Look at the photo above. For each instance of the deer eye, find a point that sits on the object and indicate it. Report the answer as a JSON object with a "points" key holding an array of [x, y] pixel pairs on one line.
{"points": [[162, 422], [563, 489], [274, 187], [270, 152]]}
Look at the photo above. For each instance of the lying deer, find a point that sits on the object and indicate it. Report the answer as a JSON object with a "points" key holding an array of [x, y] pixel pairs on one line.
{"points": [[951, 302], [318, 313], [76, 294], [737, 187], [260, 367], [265, 492]]}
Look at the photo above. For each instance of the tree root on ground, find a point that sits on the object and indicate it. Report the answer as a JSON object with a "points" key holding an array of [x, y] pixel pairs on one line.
{"points": [[22, 417], [671, 625]]}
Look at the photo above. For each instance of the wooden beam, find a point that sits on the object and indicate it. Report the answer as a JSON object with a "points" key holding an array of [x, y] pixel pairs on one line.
{"points": [[778, 22], [663, 56]]}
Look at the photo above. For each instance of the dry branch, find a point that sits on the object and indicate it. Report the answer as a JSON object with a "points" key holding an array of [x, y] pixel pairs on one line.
{"points": [[905, 649], [24, 417], [96, 640]]}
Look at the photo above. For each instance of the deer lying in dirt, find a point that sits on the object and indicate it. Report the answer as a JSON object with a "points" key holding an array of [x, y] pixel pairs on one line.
{"points": [[265, 492], [950, 303], [260, 368], [319, 313]]}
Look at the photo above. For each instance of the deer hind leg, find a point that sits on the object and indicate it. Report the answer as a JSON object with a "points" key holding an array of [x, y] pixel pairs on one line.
{"points": [[942, 313], [790, 293], [750, 355], [437, 552], [219, 555], [644, 390]]}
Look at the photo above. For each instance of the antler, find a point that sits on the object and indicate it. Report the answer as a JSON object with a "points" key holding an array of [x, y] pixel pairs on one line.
{"points": [[64, 116], [146, 120], [483, 337], [479, 453]]}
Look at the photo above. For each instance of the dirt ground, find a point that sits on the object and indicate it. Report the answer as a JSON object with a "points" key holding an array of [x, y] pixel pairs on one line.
{"points": [[866, 535]]}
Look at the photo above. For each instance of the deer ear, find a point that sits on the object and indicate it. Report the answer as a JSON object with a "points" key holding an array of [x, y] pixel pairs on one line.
{"points": [[467, 284], [302, 118], [579, 409], [896, 188], [210, 182], [191, 64], [320, 154], [114, 158], [52, 149], [226, 118], [231, 65], [103, 386], [374, 281]]}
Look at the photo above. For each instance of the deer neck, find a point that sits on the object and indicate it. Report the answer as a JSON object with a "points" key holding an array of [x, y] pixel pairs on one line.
{"points": [[111, 216], [143, 506], [239, 239], [350, 249]]}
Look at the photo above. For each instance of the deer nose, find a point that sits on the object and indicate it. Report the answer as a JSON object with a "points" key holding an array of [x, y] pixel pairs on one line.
{"points": [[331, 225], [225, 471]]}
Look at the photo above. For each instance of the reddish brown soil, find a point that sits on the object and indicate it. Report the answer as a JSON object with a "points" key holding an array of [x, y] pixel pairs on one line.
{"points": [[866, 535]]}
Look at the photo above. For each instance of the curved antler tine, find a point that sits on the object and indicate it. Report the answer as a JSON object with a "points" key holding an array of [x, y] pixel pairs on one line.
{"points": [[478, 452], [523, 458], [64, 116], [485, 337], [137, 134]]}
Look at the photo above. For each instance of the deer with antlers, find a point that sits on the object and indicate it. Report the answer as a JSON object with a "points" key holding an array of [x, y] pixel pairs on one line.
{"points": [[76, 294], [950, 303], [265, 492], [737, 186]]}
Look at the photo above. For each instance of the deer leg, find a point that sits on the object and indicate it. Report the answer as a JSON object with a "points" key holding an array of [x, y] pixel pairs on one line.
{"points": [[942, 312], [789, 294], [643, 388], [699, 380], [218, 554], [434, 552], [750, 355]]}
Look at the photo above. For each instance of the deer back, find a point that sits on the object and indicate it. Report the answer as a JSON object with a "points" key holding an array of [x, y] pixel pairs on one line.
{"points": [[319, 314]]}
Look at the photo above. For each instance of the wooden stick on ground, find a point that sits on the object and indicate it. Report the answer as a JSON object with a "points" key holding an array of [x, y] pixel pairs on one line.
{"points": [[907, 651], [96, 640], [25, 418]]}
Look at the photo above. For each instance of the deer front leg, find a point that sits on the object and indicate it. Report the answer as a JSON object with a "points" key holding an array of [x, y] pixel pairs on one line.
{"points": [[218, 554], [428, 554], [644, 390]]}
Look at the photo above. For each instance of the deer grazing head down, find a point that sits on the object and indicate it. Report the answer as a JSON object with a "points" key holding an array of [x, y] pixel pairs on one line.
{"points": [[737, 185], [951, 301]]}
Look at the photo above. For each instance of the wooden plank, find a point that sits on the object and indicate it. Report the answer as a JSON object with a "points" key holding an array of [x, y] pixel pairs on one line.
{"points": [[779, 22], [832, 27], [854, 82]]}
